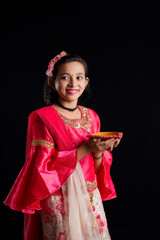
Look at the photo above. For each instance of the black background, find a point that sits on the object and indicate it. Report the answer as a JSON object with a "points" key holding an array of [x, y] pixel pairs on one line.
{"points": [[121, 43]]}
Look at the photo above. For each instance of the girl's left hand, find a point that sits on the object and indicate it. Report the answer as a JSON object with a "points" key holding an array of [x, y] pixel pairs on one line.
{"points": [[116, 143]]}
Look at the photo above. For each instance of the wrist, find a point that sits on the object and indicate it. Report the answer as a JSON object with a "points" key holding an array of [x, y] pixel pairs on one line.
{"points": [[97, 155], [82, 151]]}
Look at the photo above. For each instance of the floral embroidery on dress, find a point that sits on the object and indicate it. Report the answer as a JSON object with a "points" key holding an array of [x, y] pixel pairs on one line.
{"points": [[53, 217], [99, 214], [100, 223], [91, 185], [61, 236], [84, 122]]}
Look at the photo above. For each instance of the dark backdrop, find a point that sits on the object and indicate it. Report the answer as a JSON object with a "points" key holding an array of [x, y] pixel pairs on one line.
{"points": [[121, 43]]}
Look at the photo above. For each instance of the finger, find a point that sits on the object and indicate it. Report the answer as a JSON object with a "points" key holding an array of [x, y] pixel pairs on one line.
{"points": [[94, 140], [110, 149], [110, 140], [117, 142], [103, 144]]}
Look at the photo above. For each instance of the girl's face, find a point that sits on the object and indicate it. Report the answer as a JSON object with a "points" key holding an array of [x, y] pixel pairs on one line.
{"points": [[70, 81]]}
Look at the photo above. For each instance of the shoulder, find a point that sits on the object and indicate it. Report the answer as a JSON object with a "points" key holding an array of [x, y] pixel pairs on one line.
{"points": [[37, 117], [40, 118], [40, 111]]}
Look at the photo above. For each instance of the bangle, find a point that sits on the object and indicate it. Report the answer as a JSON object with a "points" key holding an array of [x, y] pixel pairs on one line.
{"points": [[98, 157]]}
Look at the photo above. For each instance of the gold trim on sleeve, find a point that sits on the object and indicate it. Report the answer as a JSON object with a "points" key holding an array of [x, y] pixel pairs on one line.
{"points": [[38, 142]]}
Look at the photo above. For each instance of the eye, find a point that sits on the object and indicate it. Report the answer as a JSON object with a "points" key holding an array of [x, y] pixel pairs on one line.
{"points": [[64, 77], [79, 77]]}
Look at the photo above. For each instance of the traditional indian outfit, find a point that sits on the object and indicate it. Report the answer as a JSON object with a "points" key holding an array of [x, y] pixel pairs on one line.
{"points": [[60, 197]]}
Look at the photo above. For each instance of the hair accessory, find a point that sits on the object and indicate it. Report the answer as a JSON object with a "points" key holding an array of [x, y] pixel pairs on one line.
{"points": [[52, 62]]}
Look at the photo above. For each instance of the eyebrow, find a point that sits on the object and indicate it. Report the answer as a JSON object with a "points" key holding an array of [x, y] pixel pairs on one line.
{"points": [[69, 74]]}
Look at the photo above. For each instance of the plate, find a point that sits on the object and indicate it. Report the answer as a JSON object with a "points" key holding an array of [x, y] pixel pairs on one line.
{"points": [[106, 135]]}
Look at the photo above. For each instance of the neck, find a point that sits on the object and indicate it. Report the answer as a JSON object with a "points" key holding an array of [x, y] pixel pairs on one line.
{"points": [[66, 108]]}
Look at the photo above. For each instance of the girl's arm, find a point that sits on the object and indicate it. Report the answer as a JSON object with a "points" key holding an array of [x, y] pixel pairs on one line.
{"points": [[97, 147]]}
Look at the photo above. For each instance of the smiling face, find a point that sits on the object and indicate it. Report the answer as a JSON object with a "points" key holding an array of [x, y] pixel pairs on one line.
{"points": [[70, 82]]}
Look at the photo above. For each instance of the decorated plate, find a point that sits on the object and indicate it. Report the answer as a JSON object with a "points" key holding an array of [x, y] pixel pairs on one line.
{"points": [[106, 135]]}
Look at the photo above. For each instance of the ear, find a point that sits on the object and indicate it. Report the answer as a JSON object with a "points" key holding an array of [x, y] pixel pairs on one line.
{"points": [[51, 83], [87, 81]]}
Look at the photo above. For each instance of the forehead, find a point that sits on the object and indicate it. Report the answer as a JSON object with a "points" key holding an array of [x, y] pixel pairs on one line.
{"points": [[71, 68]]}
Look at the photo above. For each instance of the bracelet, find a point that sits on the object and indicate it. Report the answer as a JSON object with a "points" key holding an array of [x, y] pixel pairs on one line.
{"points": [[98, 157]]}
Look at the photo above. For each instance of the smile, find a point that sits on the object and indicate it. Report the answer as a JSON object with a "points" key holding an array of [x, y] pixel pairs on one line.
{"points": [[72, 91]]}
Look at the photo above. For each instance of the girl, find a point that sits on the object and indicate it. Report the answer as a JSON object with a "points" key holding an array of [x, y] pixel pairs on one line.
{"points": [[66, 175]]}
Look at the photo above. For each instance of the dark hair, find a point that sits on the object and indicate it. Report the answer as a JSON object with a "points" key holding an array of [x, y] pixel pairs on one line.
{"points": [[51, 96]]}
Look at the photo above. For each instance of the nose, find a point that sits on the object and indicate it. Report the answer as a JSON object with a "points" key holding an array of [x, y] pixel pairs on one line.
{"points": [[72, 82]]}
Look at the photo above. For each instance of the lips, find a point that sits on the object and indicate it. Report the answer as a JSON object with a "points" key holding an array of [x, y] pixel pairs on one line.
{"points": [[72, 91]]}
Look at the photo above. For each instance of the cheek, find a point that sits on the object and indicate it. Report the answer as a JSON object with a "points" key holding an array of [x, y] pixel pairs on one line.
{"points": [[58, 86], [83, 84]]}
